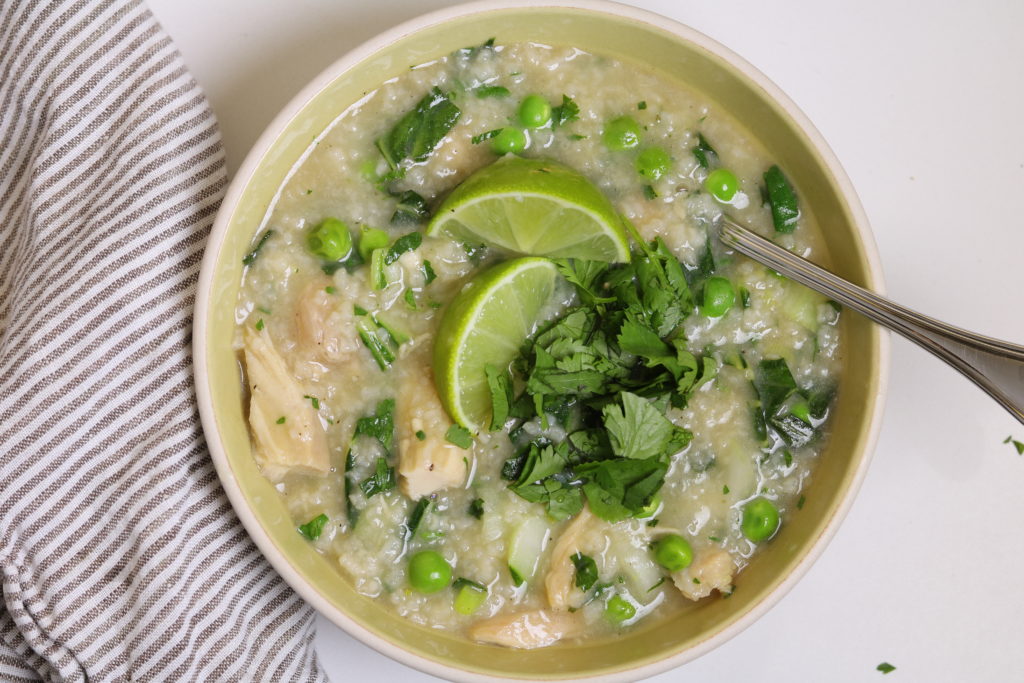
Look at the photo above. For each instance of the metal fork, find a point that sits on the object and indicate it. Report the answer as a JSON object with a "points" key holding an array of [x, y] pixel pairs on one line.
{"points": [[994, 365]]}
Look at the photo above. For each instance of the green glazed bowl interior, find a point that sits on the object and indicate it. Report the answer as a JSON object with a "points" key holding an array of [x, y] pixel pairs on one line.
{"points": [[656, 44]]}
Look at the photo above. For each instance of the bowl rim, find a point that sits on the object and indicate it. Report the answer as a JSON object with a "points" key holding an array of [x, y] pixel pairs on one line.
{"points": [[270, 135]]}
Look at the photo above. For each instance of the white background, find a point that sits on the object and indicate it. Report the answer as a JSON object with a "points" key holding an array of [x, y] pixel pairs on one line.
{"points": [[923, 103]]}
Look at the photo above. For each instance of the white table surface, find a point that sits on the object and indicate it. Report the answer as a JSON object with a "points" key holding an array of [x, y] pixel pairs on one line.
{"points": [[923, 103]]}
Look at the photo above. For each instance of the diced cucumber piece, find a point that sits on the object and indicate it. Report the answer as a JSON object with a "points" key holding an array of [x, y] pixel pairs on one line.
{"points": [[528, 541]]}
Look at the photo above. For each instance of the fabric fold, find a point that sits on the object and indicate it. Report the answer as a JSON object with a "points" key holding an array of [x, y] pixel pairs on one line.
{"points": [[121, 557]]}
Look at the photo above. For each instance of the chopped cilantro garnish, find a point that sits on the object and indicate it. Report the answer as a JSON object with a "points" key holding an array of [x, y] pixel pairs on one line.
{"points": [[380, 425], [704, 153], [586, 571], [649, 193], [641, 105], [314, 400], [567, 111], [428, 272], [800, 503], [411, 208], [476, 508], [725, 489], [402, 244], [259, 325], [410, 300], [460, 436], [487, 135], [415, 517], [1016, 444], [330, 290], [281, 420], [250, 258], [382, 479], [500, 385], [314, 527], [885, 667]]}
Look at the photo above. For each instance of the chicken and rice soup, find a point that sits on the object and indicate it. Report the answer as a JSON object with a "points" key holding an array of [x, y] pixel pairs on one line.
{"points": [[650, 423]]}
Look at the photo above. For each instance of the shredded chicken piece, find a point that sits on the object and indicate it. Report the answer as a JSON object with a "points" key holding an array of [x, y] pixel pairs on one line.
{"points": [[527, 630], [711, 570], [298, 442], [430, 464], [321, 340], [560, 581]]}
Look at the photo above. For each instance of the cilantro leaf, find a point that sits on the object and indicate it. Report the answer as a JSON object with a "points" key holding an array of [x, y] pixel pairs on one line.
{"points": [[411, 208], [403, 244], [586, 571], [460, 436], [380, 425], [637, 430], [314, 527], [704, 153], [567, 111], [382, 479]]}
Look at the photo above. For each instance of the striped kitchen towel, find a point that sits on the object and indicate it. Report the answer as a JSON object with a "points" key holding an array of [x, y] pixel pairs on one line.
{"points": [[121, 557]]}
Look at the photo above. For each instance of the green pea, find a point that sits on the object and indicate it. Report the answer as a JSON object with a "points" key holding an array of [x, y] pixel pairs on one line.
{"points": [[429, 572], [534, 111], [370, 239], [621, 133], [509, 141], [653, 162], [760, 520], [719, 297], [330, 240], [673, 552], [618, 609], [722, 184]]}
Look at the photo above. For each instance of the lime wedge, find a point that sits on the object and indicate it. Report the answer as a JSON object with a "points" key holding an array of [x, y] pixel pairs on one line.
{"points": [[486, 324], [534, 207]]}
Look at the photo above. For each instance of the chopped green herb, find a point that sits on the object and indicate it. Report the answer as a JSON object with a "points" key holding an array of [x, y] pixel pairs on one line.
{"points": [[421, 435], [419, 131], [350, 489], [1016, 444], [411, 208], [309, 191], [704, 153], [491, 91], [476, 508], [586, 571], [725, 489], [649, 193], [782, 200], [413, 523], [330, 290], [745, 297], [314, 527], [800, 503], [696, 580], [380, 425], [383, 479], [641, 105], [410, 300], [428, 272], [473, 51], [567, 111], [314, 400], [460, 436], [250, 258], [577, 136], [359, 310], [487, 135], [281, 420], [885, 667], [259, 325], [403, 244]]}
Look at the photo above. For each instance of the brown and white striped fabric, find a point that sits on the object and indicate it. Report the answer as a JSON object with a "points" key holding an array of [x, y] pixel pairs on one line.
{"points": [[121, 557]]}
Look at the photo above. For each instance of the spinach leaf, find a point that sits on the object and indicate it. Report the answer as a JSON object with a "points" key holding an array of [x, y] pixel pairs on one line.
{"points": [[411, 208], [419, 132]]}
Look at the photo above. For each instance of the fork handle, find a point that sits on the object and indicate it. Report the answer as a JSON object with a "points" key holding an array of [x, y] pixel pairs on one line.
{"points": [[994, 365]]}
